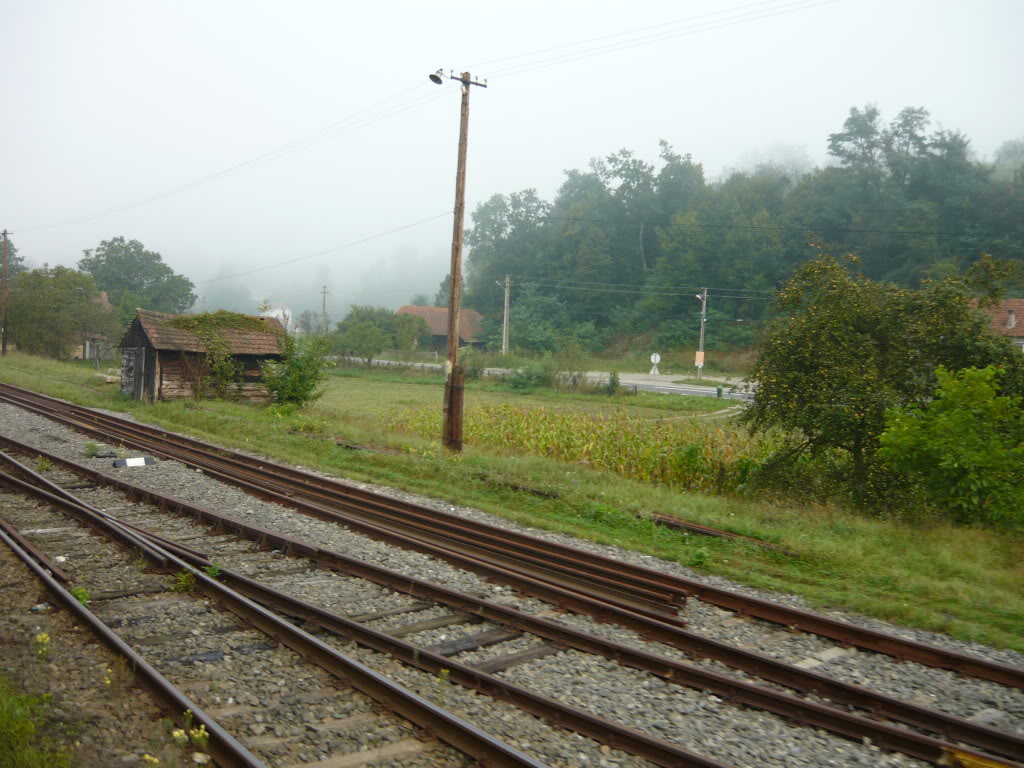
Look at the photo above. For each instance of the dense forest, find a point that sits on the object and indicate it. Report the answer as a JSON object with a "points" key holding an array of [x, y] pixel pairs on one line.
{"points": [[624, 245]]}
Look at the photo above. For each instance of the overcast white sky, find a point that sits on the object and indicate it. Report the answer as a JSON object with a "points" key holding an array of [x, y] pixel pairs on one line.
{"points": [[108, 104]]}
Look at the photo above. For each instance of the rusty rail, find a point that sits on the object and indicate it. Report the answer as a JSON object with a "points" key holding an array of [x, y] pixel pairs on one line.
{"points": [[288, 483], [446, 726], [226, 750], [736, 691]]}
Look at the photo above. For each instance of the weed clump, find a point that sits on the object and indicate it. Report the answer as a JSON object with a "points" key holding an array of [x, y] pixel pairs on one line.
{"points": [[184, 582]]}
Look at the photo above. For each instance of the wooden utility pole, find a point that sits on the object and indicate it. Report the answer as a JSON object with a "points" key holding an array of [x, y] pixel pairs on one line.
{"points": [[453, 388], [703, 319], [3, 299], [323, 309], [504, 322]]}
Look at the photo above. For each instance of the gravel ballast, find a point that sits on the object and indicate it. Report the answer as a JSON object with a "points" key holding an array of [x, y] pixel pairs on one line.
{"points": [[693, 719]]}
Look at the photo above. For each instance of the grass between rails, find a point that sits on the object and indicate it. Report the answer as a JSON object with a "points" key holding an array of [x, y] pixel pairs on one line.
{"points": [[24, 742], [967, 582]]}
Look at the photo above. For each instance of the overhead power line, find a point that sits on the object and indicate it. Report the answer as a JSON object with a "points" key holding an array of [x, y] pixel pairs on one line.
{"points": [[635, 291], [326, 250], [359, 118], [577, 43], [741, 18], [619, 285], [808, 228], [353, 122]]}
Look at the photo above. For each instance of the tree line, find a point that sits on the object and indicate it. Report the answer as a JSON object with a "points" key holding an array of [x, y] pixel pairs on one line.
{"points": [[624, 244], [52, 310]]}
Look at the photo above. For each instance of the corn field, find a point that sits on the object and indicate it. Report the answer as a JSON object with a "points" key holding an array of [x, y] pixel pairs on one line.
{"points": [[679, 453]]}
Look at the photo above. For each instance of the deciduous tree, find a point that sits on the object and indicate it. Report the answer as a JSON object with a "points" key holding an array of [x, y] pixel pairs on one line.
{"points": [[54, 310], [125, 269], [848, 348]]}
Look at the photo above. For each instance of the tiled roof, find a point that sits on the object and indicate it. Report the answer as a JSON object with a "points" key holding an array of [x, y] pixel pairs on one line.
{"points": [[164, 336], [437, 321], [1008, 318]]}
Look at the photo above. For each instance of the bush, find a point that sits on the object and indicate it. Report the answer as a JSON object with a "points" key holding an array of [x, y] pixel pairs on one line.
{"points": [[611, 387], [472, 364], [966, 446], [296, 379], [532, 376], [571, 365]]}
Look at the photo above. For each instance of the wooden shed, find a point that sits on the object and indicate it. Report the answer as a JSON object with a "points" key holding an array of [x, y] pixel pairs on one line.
{"points": [[162, 362]]}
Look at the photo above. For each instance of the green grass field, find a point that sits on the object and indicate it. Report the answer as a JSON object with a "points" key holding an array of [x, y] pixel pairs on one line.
{"points": [[967, 582]]}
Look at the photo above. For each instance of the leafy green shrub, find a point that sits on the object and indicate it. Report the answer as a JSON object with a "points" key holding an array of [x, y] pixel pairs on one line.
{"points": [[966, 446], [532, 376], [297, 377], [571, 364], [472, 364], [611, 387]]}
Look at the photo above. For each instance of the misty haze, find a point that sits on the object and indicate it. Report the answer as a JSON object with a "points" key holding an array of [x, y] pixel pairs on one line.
{"points": [[562, 384]]}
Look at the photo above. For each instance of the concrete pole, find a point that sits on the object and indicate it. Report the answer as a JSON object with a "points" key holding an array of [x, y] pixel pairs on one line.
{"points": [[504, 324], [703, 320], [3, 299], [323, 309]]}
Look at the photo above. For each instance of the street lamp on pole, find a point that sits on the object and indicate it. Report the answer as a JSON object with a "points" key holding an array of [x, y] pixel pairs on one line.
{"points": [[702, 297], [453, 387]]}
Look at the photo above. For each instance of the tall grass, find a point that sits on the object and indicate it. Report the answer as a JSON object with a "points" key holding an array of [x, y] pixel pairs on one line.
{"points": [[686, 454]]}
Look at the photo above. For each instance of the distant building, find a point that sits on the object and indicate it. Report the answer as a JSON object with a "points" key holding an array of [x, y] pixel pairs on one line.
{"points": [[1008, 320], [437, 321], [94, 344], [161, 362]]}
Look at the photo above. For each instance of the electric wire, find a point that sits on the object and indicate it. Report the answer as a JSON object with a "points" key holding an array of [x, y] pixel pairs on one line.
{"points": [[801, 5], [808, 228], [634, 30], [341, 127], [637, 291], [353, 122], [618, 285], [326, 250]]}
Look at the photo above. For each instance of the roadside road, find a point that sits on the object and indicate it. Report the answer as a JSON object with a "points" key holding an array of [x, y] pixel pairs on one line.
{"points": [[663, 383]]}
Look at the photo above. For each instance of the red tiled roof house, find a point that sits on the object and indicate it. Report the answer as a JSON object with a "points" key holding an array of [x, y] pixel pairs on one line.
{"points": [[437, 320], [1008, 320], [160, 361]]}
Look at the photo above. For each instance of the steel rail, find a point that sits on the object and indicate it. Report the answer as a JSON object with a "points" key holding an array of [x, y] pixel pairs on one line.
{"points": [[810, 713], [56, 571], [738, 692], [460, 734], [803, 620], [663, 604], [566, 563], [224, 747]]}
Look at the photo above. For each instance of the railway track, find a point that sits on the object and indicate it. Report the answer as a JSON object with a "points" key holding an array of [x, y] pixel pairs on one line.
{"points": [[638, 589], [502, 626], [261, 660], [209, 633]]}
